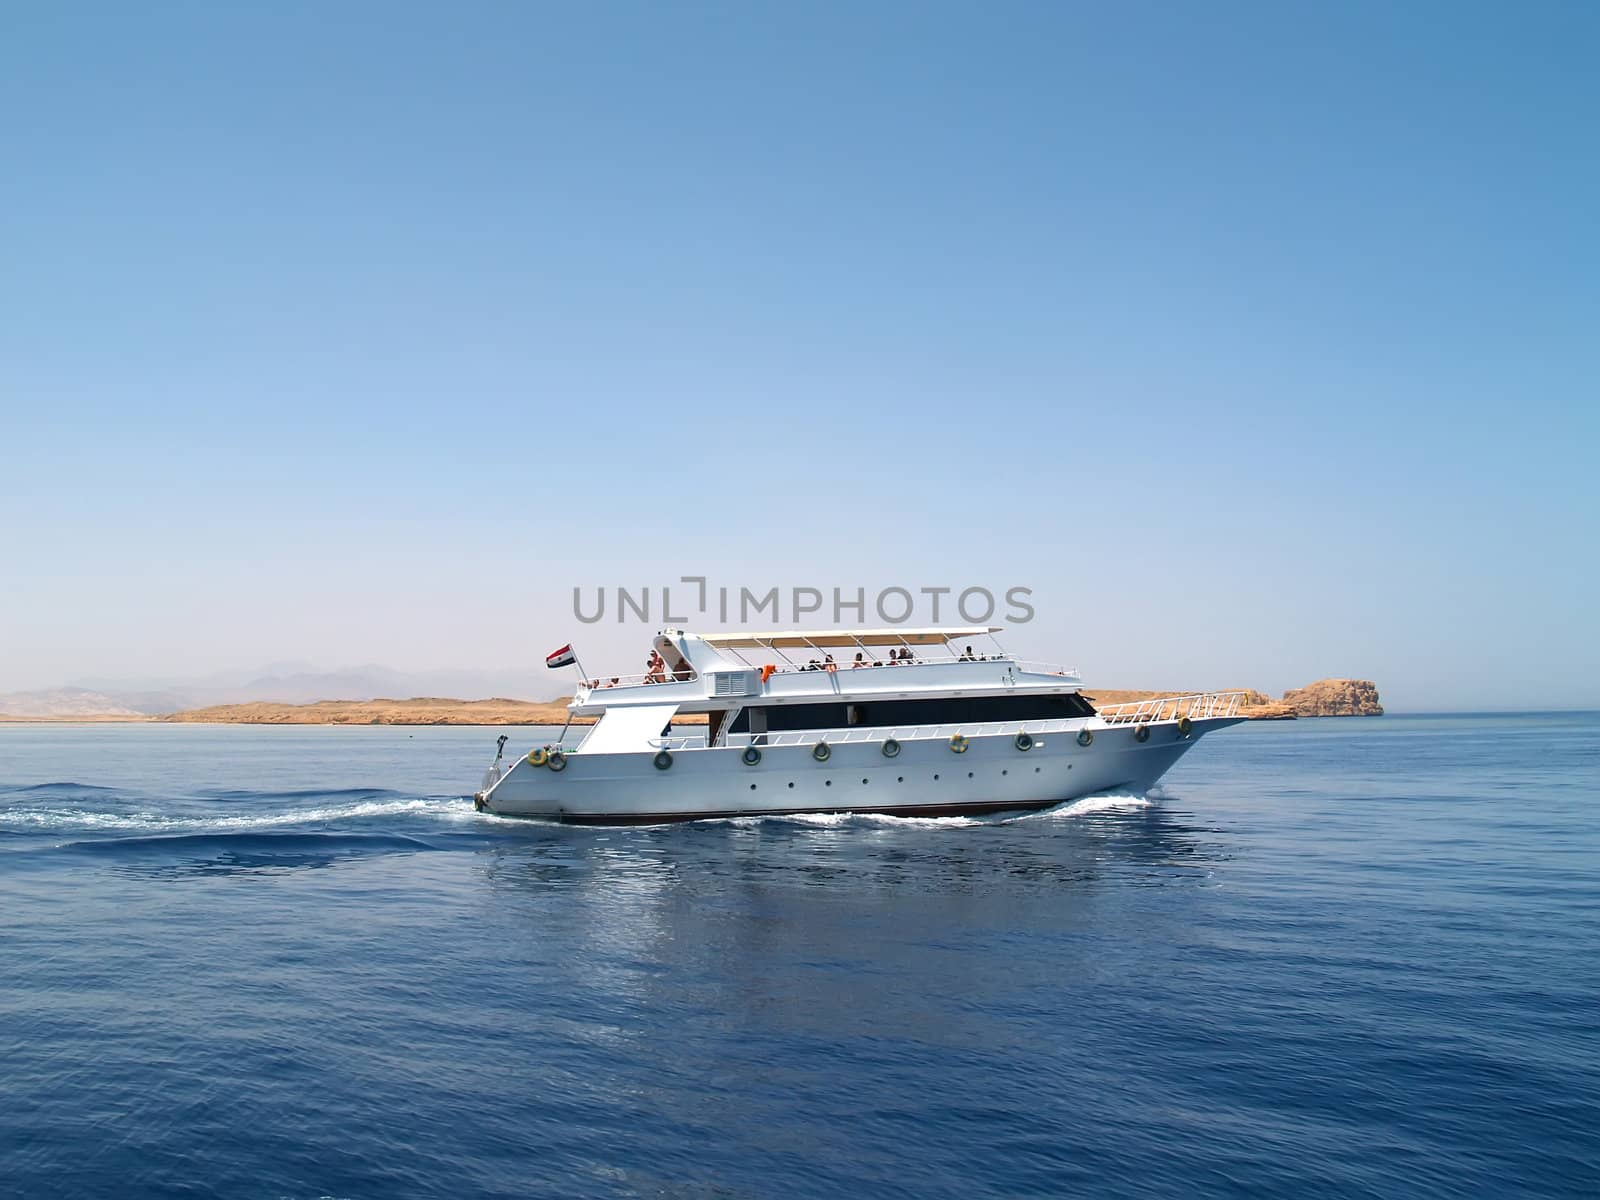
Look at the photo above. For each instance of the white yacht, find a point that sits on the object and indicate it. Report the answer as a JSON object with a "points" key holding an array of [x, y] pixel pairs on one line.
{"points": [[914, 722]]}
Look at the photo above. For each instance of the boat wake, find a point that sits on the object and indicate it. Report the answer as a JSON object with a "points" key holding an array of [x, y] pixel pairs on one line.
{"points": [[238, 844], [1083, 807], [72, 816], [1089, 805], [66, 813]]}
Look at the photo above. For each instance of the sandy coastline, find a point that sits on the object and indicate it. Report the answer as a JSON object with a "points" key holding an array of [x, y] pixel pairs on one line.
{"points": [[443, 710], [420, 710]]}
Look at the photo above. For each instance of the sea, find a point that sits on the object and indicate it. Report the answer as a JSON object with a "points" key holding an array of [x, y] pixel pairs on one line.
{"points": [[1341, 958]]}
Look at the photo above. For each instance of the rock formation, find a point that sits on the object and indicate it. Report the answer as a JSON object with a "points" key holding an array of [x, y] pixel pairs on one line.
{"points": [[1325, 698], [1335, 698]]}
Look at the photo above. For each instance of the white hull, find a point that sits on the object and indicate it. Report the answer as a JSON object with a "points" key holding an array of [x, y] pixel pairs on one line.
{"points": [[926, 778]]}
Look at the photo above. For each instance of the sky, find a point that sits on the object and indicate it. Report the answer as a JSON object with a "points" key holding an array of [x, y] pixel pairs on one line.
{"points": [[1260, 342]]}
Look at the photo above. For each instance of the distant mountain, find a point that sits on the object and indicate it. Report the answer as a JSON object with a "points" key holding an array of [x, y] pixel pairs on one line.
{"points": [[298, 684], [66, 702]]}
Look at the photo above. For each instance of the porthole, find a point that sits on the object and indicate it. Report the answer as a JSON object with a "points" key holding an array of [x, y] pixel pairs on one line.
{"points": [[899, 778], [827, 783], [791, 783], [863, 781], [752, 787]]}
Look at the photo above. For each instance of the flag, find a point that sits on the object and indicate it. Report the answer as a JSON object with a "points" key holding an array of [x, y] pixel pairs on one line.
{"points": [[563, 657]]}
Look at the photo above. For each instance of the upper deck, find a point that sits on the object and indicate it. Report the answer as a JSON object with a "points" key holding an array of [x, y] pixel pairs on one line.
{"points": [[711, 672]]}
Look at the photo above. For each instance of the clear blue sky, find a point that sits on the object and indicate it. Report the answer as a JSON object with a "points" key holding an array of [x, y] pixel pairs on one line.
{"points": [[1261, 340]]}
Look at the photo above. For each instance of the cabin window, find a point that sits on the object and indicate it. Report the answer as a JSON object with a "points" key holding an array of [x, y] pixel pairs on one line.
{"points": [[946, 710]]}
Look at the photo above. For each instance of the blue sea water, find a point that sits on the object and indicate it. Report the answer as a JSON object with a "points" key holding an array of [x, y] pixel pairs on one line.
{"points": [[1328, 958]]}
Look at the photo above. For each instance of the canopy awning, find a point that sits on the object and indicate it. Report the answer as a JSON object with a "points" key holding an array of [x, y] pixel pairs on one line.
{"points": [[800, 639]]}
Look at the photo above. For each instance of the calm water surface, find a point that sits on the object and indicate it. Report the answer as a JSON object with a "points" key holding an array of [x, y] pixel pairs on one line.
{"points": [[1330, 958]]}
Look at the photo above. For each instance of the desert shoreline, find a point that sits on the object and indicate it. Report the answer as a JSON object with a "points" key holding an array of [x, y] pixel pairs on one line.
{"points": [[1327, 697]]}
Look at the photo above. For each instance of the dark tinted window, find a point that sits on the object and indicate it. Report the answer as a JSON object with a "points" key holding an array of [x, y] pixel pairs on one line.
{"points": [[952, 710]]}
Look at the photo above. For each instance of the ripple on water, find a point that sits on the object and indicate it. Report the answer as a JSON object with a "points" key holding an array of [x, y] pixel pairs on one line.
{"points": [[1346, 959]]}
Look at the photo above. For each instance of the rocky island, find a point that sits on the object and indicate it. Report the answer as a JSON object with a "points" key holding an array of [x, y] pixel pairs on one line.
{"points": [[1324, 698], [1335, 698]]}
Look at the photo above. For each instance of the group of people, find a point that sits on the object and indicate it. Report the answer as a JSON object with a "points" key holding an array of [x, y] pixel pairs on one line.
{"points": [[897, 658], [655, 667], [655, 671]]}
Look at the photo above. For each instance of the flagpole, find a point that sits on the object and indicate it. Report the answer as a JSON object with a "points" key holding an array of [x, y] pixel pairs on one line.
{"points": [[578, 666]]}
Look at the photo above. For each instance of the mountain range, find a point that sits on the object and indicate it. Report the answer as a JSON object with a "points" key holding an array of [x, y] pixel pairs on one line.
{"points": [[280, 683]]}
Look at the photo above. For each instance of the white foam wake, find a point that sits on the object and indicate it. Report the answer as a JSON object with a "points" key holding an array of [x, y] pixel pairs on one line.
{"points": [[75, 820], [838, 819], [1086, 806]]}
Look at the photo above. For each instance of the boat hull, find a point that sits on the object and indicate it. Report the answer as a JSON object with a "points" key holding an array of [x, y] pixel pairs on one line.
{"points": [[926, 778]]}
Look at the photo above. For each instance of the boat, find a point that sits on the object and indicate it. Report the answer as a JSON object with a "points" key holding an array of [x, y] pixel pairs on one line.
{"points": [[911, 722]]}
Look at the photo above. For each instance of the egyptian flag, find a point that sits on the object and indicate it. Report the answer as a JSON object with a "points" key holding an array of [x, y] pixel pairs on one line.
{"points": [[563, 657]]}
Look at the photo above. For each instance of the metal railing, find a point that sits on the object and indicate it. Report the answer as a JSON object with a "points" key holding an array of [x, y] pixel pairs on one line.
{"points": [[644, 678], [605, 683], [920, 660], [881, 733], [1200, 706], [880, 659], [1196, 707]]}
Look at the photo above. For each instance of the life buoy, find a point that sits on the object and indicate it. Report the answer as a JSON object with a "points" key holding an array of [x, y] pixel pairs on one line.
{"points": [[557, 761], [1185, 727], [822, 752], [751, 755], [890, 748], [1141, 733], [1024, 741], [767, 672], [538, 756], [662, 760], [958, 743], [1085, 737]]}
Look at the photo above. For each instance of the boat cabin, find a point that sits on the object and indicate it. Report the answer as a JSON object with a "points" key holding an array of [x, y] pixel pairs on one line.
{"points": [[761, 684]]}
